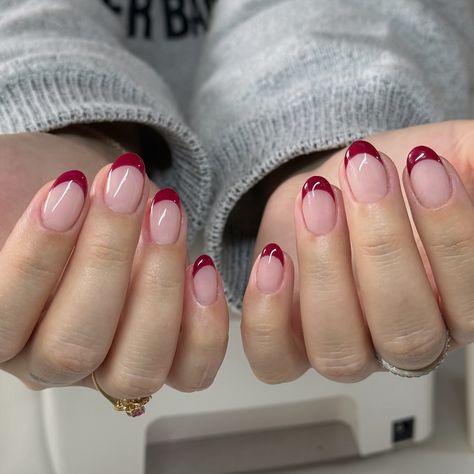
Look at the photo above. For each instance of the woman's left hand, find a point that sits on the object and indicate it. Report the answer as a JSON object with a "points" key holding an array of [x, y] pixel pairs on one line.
{"points": [[370, 278]]}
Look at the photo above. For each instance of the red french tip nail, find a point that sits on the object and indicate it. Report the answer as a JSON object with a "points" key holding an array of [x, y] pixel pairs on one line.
{"points": [[317, 183], [273, 250], [129, 159], [73, 175], [167, 194], [420, 153], [361, 147], [202, 261]]}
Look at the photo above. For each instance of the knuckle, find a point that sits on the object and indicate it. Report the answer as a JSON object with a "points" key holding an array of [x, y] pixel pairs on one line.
{"points": [[415, 346], [106, 253], [70, 360], [202, 378], [457, 246], [155, 282], [271, 377], [342, 366], [324, 273], [197, 387], [380, 246], [134, 385], [259, 330], [33, 267]]}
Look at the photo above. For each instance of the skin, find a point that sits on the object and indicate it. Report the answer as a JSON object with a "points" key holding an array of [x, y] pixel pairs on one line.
{"points": [[103, 309], [330, 320], [336, 343]]}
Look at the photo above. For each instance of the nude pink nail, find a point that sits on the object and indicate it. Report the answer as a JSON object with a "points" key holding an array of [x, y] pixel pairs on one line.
{"points": [[65, 200], [318, 205], [125, 183], [270, 269], [428, 176], [165, 217], [365, 172], [205, 280]]}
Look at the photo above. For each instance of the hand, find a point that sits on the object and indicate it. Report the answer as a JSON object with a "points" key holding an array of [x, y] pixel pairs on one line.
{"points": [[99, 282], [361, 285]]}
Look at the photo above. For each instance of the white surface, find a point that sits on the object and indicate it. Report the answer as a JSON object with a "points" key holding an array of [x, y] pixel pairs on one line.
{"points": [[447, 451], [470, 392], [22, 449], [85, 433]]}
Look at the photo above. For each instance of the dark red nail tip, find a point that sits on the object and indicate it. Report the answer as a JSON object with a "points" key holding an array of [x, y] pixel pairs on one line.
{"points": [[273, 250], [73, 175], [202, 261], [167, 194], [420, 153], [361, 147], [129, 159], [317, 183]]}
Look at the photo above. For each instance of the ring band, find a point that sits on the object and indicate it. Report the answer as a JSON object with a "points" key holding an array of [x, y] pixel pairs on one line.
{"points": [[132, 406], [419, 372]]}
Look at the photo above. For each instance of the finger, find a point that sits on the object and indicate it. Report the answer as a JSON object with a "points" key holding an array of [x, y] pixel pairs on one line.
{"points": [[77, 331], [401, 310], [35, 255], [443, 214], [204, 331], [336, 336], [269, 341], [142, 353]]}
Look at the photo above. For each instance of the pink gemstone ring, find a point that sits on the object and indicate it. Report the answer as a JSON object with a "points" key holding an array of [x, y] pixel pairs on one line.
{"points": [[132, 406]]}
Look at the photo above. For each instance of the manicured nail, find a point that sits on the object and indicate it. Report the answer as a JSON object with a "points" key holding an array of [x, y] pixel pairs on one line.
{"points": [[205, 280], [165, 216], [365, 172], [319, 207], [65, 200], [125, 183], [270, 269], [428, 176]]}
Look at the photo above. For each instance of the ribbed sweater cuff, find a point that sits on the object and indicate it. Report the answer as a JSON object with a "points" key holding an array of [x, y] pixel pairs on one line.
{"points": [[49, 97], [329, 119]]}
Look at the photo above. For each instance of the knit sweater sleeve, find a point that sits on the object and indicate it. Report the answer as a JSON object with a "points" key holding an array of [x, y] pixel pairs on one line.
{"points": [[63, 62], [283, 79]]}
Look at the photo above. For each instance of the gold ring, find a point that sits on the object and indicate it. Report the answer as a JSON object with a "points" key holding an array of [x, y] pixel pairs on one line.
{"points": [[132, 406]]}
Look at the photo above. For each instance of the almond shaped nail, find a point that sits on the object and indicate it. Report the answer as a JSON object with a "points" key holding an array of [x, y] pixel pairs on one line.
{"points": [[64, 201], [420, 153], [205, 280], [165, 217]]}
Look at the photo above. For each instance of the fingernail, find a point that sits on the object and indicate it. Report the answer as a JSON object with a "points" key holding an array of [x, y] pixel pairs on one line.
{"points": [[428, 176], [365, 172], [270, 269], [165, 217], [125, 183], [65, 200], [205, 280], [319, 207]]}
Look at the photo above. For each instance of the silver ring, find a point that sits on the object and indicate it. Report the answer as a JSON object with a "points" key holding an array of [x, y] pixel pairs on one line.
{"points": [[419, 372]]}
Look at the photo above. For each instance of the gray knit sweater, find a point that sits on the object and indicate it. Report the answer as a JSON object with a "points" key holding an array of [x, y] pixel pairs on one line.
{"points": [[237, 94]]}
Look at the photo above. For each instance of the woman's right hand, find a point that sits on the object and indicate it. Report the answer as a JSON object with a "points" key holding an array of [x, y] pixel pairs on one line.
{"points": [[99, 283]]}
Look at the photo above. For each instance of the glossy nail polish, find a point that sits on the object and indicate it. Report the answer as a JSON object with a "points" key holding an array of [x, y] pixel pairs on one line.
{"points": [[65, 200], [205, 280], [318, 205], [270, 269], [125, 183], [165, 217], [365, 172], [428, 177]]}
